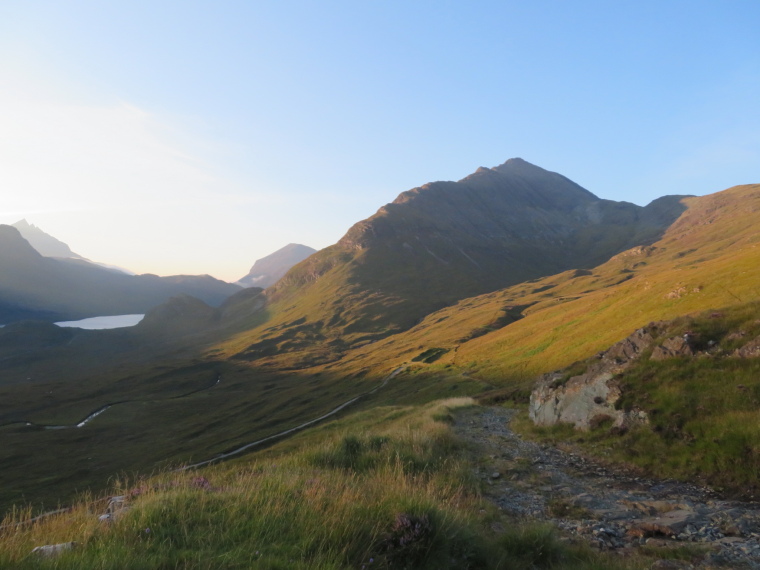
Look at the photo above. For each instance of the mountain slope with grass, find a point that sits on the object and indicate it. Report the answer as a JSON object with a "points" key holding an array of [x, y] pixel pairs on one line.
{"points": [[440, 243], [193, 382], [696, 379], [708, 258], [390, 487]]}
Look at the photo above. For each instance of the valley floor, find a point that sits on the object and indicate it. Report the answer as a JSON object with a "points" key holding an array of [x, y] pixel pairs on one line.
{"points": [[613, 511]]}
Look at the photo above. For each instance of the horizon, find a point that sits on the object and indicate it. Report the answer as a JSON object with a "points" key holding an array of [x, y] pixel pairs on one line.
{"points": [[197, 142]]}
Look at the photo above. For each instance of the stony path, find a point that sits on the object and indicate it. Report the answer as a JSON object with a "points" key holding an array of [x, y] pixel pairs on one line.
{"points": [[613, 511]]}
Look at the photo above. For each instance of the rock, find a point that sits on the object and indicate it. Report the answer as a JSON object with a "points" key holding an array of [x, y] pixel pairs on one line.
{"points": [[669, 565], [749, 350], [669, 524], [586, 401], [672, 347], [495, 475], [593, 394], [117, 506], [629, 348], [649, 529], [50, 550]]}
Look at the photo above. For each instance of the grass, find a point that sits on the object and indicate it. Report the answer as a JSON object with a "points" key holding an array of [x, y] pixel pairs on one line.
{"points": [[703, 410], [322, 339], [572, 315], [385, 488]]}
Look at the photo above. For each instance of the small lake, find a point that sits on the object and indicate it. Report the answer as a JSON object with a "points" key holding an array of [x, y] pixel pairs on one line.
{"points": [[110, 322]]}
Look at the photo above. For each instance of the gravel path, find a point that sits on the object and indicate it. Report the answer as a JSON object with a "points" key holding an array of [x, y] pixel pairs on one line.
{"points": [[613, 511]]}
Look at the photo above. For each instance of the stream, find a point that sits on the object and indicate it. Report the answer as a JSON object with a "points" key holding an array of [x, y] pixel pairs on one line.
{"points": [[102, 409], [304, 425]]}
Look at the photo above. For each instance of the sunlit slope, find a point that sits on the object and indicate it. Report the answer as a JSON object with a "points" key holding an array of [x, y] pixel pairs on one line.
{"points": [[710, 257], [440, 243]]}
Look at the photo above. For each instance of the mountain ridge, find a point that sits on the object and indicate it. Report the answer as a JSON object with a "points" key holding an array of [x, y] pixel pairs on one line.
{"points": [[34, 286], [44, 243], [444, 241]]}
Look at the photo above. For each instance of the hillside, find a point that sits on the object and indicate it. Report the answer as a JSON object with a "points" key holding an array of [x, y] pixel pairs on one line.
{"points": [[708, 258], [185, 385], [36, 287], [443, 242], [268, 270]]}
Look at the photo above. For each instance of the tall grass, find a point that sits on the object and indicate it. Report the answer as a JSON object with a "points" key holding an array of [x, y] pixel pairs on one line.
{"points": [[396, 496]]}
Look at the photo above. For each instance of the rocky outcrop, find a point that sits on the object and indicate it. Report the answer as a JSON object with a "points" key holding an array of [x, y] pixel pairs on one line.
{"points": [[585, 401], [589, 399], [52, 550], [749, 350], [672, 347]]}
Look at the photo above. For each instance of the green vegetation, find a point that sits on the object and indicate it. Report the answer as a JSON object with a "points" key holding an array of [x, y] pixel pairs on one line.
{"points": [[430, 355], [579, 313], [387, 488], [331, 331], [703, 410]]}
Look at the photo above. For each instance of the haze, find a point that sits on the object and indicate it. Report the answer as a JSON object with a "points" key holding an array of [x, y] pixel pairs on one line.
{"points": [[197, 137]]}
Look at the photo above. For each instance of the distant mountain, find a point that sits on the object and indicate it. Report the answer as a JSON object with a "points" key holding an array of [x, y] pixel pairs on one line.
{"points": [[34, 286], [268, 270], [444, 241], [49, 246], [44, 243]]}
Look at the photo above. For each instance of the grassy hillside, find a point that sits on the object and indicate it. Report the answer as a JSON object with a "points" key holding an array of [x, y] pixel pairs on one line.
{"points": [[387, 488], [437, 244], [280, 367], [709, 258], [703, 409]]}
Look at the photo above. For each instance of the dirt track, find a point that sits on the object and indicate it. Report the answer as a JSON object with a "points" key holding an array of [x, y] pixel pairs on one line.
{"points": [[613, 511]]}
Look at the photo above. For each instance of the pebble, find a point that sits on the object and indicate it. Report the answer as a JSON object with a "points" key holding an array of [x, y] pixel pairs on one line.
{"points": [[592, 491]]}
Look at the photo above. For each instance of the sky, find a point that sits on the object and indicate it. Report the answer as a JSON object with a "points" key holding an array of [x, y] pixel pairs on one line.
{"points": [[195, 137]]}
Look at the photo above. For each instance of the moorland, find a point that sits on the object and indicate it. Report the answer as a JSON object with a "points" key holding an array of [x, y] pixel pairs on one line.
{"points": [[455, 297]]}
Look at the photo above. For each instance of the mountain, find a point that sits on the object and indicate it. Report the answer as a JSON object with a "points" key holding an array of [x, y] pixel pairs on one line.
{"points": [[44, 243], [709, 258], [445, 241], [34, 286], [191, 382], [49, 246], [268, 270]]}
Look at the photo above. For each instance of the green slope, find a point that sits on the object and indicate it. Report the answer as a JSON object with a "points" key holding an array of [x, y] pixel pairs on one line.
{"points": [[437, 244], [710, 257]]}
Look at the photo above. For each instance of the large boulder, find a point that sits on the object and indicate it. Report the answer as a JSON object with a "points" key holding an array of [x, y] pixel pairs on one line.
{"points": [[584, 401], [590, 398]]}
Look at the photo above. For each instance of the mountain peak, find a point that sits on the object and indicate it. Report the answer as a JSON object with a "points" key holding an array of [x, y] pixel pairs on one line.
{"points": [[267, 270], [518, 164]]}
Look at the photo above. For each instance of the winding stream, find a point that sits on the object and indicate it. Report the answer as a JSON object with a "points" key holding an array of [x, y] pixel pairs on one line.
{"points": [[102, 409]]}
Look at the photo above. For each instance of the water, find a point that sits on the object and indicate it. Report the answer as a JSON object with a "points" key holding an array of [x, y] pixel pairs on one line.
{"points": [[110, 322]]}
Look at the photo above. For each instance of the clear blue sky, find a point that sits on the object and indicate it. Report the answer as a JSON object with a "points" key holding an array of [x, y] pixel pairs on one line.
{"points": [[195, 137]]}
